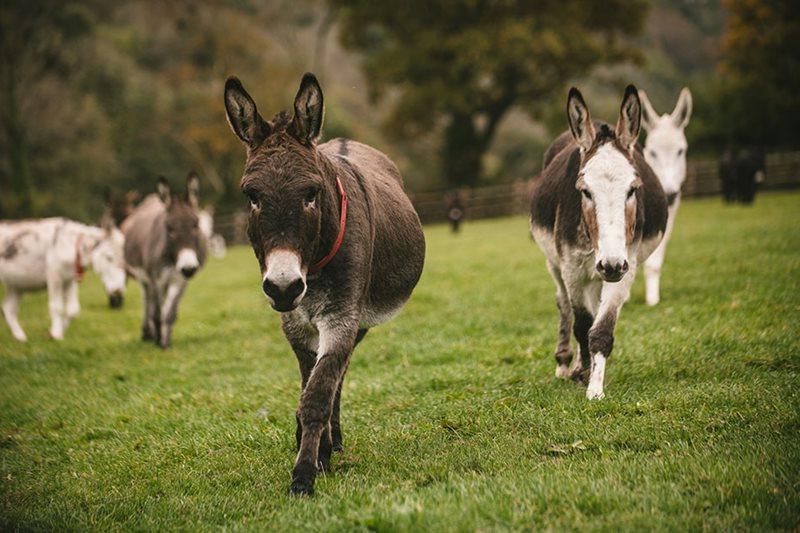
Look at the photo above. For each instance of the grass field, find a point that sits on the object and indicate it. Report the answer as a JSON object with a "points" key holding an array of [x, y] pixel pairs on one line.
{"points": [[452, 419]]}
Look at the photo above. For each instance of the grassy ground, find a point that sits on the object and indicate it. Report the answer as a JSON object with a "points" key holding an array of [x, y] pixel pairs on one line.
{"points": [[451, 417]]}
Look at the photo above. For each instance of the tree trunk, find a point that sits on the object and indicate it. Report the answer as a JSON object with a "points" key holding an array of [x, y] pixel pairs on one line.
{"points": [[462, 152]]}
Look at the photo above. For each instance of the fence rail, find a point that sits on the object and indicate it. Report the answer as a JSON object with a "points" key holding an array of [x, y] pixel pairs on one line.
{"points": [[702, 179]]}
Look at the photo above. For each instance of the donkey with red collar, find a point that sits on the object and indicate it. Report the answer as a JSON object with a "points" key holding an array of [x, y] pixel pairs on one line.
{"points": [[53, 253], [598, 210], [339, 246]]}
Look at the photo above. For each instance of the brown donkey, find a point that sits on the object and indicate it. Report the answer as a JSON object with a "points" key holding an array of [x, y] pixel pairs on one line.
{"points": [[597, 211], [339, 245]]}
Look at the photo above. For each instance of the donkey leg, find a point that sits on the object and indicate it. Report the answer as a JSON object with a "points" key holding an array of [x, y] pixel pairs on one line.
{"points": [[653, 264], [336, 428], [169, 309], [601, 334], [55, 303], [563, 349], [336, 341], [11, 312], [73, 304]]}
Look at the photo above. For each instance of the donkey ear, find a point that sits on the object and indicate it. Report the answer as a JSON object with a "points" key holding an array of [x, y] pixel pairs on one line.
{"points": [[683, 109], [193, 189], [162, 189], [649, 115], [580, 121], [630, 118], [308, 110], [243, 115]]}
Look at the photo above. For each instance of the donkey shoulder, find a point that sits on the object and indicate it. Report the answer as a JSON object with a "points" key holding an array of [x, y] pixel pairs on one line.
{"points": [[554, 192]]}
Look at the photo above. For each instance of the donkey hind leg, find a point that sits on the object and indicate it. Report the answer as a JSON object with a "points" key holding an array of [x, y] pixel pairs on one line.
{"points": [[11, 312], [336, 341], [169, 309], [601, 334], [564, 348], [336, 428]]}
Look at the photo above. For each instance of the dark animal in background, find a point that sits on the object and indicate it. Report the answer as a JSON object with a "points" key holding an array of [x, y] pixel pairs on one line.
{"points": [[597, 211], [119, 207], [339, 246], [455, 210], [741, 172], [164, 247]]}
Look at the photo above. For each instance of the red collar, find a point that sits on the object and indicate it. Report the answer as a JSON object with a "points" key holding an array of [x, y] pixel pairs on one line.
{"points": [[319, 265], [78, 262]]}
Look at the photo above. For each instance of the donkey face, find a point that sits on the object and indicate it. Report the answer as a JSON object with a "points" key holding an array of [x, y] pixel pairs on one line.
{"points": [[283, 181], [665, 146], [108, 261], [185, 243], [607, 181]]}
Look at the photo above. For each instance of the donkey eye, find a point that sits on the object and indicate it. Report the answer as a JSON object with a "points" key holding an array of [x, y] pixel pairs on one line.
{"points": [[586, 194], [310, 197], [631, 192], [653, 154], [680, 152], [253, 201]]}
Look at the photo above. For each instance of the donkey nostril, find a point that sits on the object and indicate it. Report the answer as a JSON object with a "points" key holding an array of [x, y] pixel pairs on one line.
{"points": [[295, 289], [599, 266], [625, 266], [270, 289], [188, 272]]}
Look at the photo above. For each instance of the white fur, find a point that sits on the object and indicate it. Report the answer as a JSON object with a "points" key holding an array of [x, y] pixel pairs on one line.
{"points": [[284, 267], [608, 176], [595, 389], [187, 258], [46, 253]]}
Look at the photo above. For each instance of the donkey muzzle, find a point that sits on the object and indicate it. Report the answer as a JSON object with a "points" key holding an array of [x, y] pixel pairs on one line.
{"points": [[115, 300], [284, 298], [613, 269]]}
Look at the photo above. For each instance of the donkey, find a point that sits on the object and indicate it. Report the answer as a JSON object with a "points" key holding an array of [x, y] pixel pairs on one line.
{"points": [[52, 253], [339, 246], [597, 211], [665, 152], [164, 247], [119, 207]]}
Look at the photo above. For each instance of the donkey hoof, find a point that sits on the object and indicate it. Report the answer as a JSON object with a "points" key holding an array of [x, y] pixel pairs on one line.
{"points": [[580, 376], [301, 488], [338, 446], [336, 438], [594, 394], [562, 371]]}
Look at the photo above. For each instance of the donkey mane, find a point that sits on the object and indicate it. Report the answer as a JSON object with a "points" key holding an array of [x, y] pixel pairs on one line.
{"points": [[605, 134]]}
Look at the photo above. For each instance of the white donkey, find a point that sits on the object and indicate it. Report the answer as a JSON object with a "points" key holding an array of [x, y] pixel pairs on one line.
{"points": [[665, 152], [52, 253]]}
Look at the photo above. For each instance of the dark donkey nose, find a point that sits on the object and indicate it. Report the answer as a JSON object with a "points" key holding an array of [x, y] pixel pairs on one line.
{"points": [[612, 269], [284, 297], [115, 299], [188, 272]]}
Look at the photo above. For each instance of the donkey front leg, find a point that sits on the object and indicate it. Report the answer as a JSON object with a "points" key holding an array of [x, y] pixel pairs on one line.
{"points": [[56, 302], [336, 341], [11, 312], [150, 327], [336, 427], [601, 335], [653, 264], [72, 301], [169, 309]]}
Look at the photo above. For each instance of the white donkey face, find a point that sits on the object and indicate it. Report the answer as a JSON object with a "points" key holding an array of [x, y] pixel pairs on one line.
{"points": [[608, 181], [665, 147], [108, 260]]}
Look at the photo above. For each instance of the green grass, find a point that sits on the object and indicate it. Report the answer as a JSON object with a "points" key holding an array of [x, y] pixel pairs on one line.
{"points": [[451, 417]]}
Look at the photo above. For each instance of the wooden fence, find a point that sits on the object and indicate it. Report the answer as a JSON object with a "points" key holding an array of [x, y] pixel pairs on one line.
{"points": [[702, 179]]}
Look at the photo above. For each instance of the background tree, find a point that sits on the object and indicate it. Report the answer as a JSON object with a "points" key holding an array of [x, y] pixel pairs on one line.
{"points": [[759, 101], [459, 66]]}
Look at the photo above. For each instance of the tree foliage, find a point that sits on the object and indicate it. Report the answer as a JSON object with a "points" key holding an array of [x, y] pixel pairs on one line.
{"points": [[761, 73], [458, 66]]}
